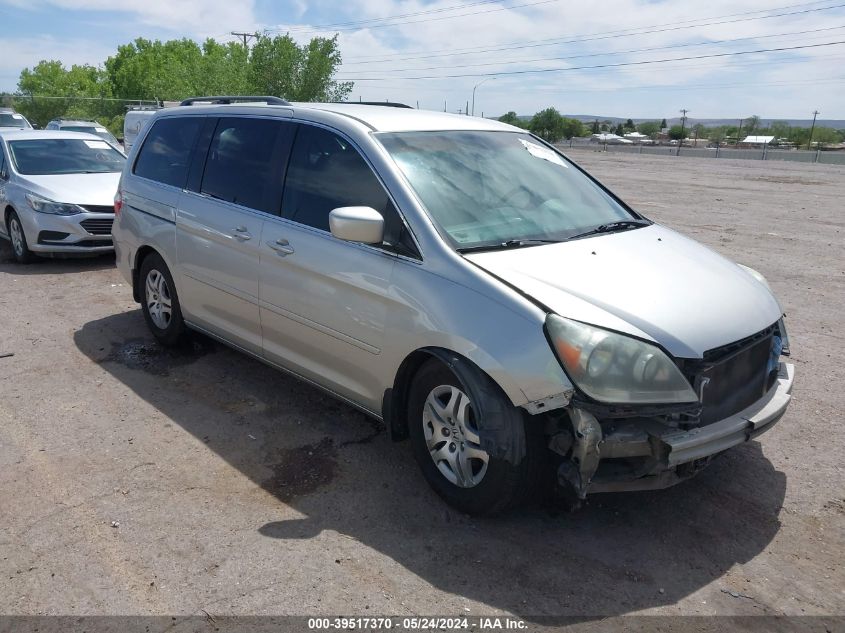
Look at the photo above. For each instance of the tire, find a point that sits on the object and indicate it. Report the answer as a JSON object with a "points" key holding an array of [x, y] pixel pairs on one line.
{"points": [[468, 484], [20, 248], [157, 290]]}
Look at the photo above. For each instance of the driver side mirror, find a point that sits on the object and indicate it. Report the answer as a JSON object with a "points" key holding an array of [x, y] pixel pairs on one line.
{"points": [[357, 224]]}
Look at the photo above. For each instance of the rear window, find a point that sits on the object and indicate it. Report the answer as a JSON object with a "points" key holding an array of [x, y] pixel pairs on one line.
{"points": [[166, 153], [53, 156], [12, 119]]}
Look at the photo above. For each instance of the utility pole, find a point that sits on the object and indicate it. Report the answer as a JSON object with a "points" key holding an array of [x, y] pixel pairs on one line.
{"points": [[245, 37], [812, 129], [683, 126], [738, 131]]}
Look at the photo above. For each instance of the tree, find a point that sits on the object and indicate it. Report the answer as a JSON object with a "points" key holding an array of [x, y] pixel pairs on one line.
{"points": [[572, 127], [629, 125], [548, 124], [650, 129], [676, 132], [595, 127], [83, 92], [511, 118], [779, 129], [752, 124], [716, 135], [663, 124], [823, 136], [619, 131], [279, 66], [699, 130]]}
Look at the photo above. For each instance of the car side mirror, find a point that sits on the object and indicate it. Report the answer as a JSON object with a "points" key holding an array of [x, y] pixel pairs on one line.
{"points": [[357, 224]]}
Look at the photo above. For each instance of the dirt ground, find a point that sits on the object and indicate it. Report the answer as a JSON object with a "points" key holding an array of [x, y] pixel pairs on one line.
{"points": [[135, 480]]}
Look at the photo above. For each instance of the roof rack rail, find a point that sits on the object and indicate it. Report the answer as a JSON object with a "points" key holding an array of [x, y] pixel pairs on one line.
{"points": [[387, 104], [234, 99]]}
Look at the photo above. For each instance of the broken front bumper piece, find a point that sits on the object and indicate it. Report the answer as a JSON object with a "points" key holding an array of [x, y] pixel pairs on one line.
{"points": [[648, 454]]}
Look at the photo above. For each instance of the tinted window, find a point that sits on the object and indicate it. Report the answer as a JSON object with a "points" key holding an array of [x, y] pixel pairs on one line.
{"points": [[244, 162], [166, 152], [326, 172], [13, 119]]}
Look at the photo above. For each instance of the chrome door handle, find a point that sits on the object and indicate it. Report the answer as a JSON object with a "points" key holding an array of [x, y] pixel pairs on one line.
{"points": [[241, 234], [282, 247]]}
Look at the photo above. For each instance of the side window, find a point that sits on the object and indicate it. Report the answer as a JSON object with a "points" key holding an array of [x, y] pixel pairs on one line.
{"points": [[245, 162], [166, 153]]}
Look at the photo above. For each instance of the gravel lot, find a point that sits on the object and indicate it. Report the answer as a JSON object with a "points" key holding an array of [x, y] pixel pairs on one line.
{"points": [[135, 480]]}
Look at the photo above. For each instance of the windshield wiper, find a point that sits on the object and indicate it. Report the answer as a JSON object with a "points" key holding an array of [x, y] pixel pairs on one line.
{"points": [[506, 244], [613, 227]]}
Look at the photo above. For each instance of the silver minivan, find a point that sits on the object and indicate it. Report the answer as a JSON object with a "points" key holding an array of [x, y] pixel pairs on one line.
{"points": [[459, 279]]}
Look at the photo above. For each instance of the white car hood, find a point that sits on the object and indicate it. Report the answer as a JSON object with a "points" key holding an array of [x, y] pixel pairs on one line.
{"points": [[651, 282], [91, 189]]}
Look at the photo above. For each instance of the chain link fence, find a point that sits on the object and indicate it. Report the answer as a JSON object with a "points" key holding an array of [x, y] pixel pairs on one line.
{"points": [[794, 155]]}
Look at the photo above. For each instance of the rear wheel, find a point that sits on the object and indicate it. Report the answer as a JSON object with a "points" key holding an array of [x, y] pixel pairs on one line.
{"points": [[159, 301], [20, 248], [446, 425]]}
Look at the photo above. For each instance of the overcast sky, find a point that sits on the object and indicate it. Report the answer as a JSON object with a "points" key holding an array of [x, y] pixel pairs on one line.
{"points": [[431, 52]]}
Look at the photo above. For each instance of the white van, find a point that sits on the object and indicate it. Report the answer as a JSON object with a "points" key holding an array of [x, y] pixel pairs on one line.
{"points": [[134, 123]]}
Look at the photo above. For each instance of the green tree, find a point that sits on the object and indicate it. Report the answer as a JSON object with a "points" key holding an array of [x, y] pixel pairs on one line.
{"points": [[824, 136], [650, 129], [548, 124], [629, 126], [676, 132], [619, 130], [511, 118], [572, 127], [279, 66], [663, 124], [699, 130], [49, 90], [594, 127], [779, 129], [752, 125]]}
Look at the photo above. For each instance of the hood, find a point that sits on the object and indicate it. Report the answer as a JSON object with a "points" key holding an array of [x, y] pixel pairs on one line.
{"points": [[651, 282], [91, 189]]}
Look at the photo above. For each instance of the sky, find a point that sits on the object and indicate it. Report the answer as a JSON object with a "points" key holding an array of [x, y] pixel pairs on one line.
{"points": [[605, 58]]}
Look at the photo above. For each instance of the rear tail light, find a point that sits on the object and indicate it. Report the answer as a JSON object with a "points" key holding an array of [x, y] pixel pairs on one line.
{"points": [[118, 202]]}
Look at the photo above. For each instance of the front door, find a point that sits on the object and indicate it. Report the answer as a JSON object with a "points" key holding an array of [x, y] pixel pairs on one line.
{"points": [[324, 301]]}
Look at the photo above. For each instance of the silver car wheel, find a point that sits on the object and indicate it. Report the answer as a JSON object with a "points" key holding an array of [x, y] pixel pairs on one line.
{"points": [[452, 436], [158, 301], [16, 233]]}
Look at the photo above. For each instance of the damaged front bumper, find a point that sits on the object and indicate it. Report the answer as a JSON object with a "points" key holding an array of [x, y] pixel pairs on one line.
{"points": [[648, 453]]}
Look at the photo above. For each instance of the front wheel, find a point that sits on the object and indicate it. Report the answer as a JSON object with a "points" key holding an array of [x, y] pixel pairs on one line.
{"points": [[159, 301], [20, 248], [446, 425]]}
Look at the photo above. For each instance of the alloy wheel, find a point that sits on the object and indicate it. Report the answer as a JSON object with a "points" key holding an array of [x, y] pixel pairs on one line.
{"points": [[16, 233], [158, 300], [451, 434]]}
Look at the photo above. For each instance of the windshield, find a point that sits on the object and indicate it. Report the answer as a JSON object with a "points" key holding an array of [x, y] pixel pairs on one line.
{"points": [[91, 129], [51, 156], [493, 188], [12, 119]]}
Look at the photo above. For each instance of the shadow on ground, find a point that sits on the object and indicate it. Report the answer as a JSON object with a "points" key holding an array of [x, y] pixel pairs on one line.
{"points": [[620, 553], [52, 265]]}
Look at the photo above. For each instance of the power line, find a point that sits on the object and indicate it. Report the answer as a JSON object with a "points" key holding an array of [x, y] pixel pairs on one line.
{"points": [[626, 52], [618, 65], [311, 29], [456, 7], [603, 35]]}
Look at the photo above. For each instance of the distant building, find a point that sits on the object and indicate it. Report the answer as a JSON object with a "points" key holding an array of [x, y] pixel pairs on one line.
{"points": [[756, 141], [607, 138]]}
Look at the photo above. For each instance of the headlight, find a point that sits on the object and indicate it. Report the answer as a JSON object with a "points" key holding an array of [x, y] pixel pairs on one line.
{"points": [[613, 368], [43, 205]]}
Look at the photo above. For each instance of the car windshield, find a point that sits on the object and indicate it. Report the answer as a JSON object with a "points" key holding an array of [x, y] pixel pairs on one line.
{"points": [[91, 129], [488, 188], [50, 156], [11, 119]]}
